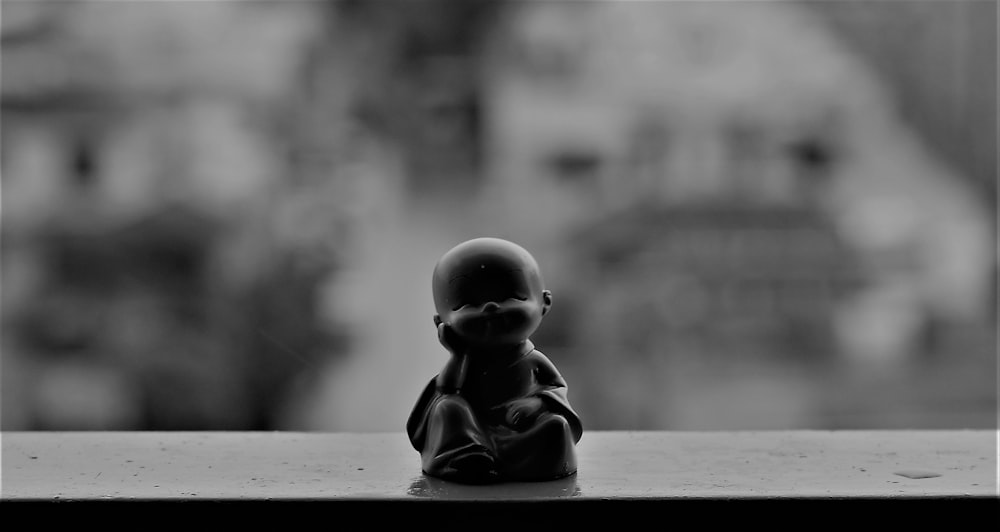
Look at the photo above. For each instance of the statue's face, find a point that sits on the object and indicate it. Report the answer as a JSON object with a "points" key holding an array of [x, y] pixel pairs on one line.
{"points": [[491, 300]]}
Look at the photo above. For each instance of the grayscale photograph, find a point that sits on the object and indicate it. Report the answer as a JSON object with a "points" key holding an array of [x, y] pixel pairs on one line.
{"points": [[402, 251]]}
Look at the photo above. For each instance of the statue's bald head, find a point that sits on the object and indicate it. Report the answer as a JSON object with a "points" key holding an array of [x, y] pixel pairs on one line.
{"points": [[482, 270]]}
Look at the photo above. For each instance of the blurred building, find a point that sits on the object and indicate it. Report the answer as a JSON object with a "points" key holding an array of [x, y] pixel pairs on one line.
{"points": [[732, 201]]}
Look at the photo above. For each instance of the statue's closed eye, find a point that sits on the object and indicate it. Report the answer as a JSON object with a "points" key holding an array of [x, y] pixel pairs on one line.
{"points": [[490, 284]]}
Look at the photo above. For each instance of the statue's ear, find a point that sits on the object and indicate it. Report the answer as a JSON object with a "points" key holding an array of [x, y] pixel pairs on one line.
{"points": [[546, 301], [437, 320]]}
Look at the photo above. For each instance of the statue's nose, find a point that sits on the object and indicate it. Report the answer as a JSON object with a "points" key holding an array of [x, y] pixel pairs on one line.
{"points": [[490, 308]]}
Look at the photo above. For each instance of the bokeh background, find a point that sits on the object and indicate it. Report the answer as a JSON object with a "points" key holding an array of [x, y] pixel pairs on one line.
{"points": [[752, 215]]}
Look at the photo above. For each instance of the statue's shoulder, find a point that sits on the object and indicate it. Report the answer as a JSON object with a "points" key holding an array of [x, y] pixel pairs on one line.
{"points": [[538, 360]]}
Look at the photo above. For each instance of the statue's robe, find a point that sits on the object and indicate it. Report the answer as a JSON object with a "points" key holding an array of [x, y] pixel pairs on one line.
{"points": [[464, 435]]}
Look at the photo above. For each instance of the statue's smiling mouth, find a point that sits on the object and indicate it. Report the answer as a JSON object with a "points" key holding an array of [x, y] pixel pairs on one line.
{"points": [[493, 324]]}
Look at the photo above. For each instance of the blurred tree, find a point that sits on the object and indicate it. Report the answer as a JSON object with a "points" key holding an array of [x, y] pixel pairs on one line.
{"points": [[143, 162], [423, 92]]}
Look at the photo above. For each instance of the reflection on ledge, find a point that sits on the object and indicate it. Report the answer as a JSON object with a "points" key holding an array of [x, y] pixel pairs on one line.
{"points": [[425, 486]]}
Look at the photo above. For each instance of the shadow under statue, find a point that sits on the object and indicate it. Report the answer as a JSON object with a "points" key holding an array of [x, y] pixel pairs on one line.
{"points": [[498, 410]]}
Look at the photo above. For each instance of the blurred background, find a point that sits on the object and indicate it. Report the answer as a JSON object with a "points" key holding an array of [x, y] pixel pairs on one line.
{"points": [[752, 215]]}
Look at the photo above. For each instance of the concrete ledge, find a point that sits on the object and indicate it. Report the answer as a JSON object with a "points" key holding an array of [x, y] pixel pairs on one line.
{"points": [[893, 477]]}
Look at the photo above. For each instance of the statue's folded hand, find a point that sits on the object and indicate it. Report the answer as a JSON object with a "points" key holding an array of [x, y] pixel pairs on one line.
{"points": [[522, 412]]}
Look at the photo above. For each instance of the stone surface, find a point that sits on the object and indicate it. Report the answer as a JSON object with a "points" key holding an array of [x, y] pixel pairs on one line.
{"points": [[632, 466]]}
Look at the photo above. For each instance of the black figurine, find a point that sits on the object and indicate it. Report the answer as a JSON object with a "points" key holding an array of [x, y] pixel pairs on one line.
{"points": [[498, 410]]}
